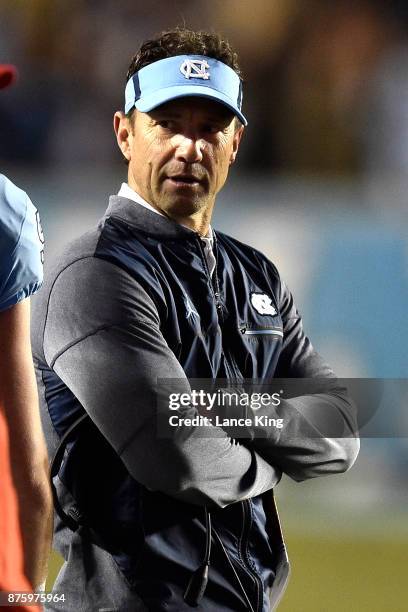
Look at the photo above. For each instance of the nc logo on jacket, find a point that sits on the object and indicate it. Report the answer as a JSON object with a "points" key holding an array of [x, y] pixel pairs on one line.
{"points": [[263, 304]]}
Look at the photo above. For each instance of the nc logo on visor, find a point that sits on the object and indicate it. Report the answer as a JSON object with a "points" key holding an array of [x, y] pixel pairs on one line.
{"points": [[195, 69]]}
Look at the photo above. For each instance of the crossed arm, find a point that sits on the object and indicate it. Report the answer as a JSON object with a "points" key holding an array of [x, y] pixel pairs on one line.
{"points": [[28, 455], [108, 349], [319, 434]]}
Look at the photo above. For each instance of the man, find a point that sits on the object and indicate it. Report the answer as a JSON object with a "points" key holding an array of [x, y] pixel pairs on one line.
{"points": [[26, 474], [167, 522]]}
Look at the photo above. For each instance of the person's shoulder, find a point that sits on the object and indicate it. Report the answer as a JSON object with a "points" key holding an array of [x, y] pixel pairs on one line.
{"points": [[20, 225], [80, 260], [71, 261], [241, 249], [21, 245], [13, 210], [75, 251]]}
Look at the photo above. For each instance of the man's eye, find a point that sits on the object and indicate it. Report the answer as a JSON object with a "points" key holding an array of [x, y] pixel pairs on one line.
{"points": [[211, 128], [166, 124]]}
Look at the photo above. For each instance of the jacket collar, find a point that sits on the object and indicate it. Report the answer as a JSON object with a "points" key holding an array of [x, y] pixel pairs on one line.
{"points": [[147, 221]]}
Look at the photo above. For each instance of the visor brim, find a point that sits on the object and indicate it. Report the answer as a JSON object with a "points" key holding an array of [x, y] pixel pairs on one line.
{"points": [[157, 98]]}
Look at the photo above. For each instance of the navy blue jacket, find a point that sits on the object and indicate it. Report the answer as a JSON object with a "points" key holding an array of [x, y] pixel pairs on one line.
{"points": [[127, 304]]}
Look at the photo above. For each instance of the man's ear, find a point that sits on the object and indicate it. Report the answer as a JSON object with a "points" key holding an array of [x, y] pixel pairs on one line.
{"points": [[236, 142], [123, 131]]}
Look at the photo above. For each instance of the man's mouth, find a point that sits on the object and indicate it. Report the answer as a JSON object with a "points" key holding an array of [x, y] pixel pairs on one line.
{"points": [[183, 180]]}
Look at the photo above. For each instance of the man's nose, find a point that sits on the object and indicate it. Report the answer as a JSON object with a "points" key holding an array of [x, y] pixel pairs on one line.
{"points": [[189, 149]]}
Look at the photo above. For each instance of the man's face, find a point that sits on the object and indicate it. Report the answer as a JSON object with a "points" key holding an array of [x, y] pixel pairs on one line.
{"points": [[179, 154]]}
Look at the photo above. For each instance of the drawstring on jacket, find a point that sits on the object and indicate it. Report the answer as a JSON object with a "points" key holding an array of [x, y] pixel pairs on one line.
{"points": [[199, 578]]}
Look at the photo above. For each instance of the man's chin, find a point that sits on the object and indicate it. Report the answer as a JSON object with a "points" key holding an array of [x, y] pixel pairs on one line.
{"points": [[183, 204]]}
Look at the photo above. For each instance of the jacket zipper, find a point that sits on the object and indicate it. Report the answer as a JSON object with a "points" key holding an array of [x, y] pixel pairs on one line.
{"points": [[215, 288], [263, 331], [244, 504], [245, 556]]}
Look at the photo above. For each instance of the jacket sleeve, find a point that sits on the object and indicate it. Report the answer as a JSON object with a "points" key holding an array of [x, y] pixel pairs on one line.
{"points": [[102, 337], [21, 245], [319, 425]]}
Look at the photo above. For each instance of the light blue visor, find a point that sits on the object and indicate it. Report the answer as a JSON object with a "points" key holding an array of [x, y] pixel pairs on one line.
{"points": [[181, 76]]}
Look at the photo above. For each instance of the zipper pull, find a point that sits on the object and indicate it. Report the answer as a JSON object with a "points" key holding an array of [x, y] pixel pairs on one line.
{"points": [[196, 587]]}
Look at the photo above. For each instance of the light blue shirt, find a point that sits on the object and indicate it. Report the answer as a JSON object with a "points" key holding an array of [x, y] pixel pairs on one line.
{"points": [[21, 245]]}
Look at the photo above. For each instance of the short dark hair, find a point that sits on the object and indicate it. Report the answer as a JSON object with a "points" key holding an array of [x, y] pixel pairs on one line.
{"points": [[181, 41]]}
